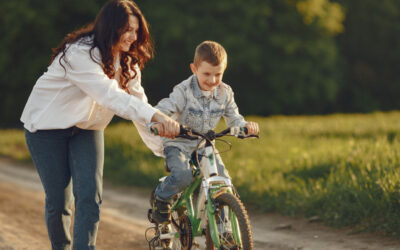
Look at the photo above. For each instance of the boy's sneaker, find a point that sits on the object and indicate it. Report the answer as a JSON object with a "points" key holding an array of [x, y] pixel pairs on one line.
{"points": [[161, 212]]}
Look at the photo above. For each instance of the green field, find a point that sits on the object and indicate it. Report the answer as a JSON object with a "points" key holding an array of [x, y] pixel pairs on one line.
{"points": [[342, 168]]}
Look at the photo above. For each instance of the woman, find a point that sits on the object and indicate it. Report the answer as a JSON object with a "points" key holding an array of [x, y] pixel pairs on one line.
{"points": [[94, 74]]}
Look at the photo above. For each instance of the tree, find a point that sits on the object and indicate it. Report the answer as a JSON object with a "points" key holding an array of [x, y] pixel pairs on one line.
{"points": [[371, 50], [283, 57], [30, 29], [279, 61]]}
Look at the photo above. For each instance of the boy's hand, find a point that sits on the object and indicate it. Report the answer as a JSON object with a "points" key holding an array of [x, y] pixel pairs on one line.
{"points": [[252, 128]]}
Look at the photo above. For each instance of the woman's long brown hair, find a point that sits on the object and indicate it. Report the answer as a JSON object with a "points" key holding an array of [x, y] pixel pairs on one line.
{"points": [[109, 25]]}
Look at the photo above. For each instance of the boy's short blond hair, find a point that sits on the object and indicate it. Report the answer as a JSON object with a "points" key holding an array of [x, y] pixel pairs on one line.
{"points": [[211, 52]]}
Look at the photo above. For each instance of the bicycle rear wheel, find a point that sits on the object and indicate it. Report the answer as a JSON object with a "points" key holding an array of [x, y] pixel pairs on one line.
{"points": [[233, 224]]}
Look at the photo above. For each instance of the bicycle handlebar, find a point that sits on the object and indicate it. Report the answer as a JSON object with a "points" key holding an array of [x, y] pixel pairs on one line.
{"points": [[188, 133], [239, 132]]}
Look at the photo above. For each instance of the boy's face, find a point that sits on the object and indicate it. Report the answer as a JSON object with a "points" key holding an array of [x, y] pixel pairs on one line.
{"points": [[208, 75]]}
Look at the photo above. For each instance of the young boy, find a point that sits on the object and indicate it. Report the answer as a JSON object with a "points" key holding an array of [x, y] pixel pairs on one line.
{"points": [[198, 103]]}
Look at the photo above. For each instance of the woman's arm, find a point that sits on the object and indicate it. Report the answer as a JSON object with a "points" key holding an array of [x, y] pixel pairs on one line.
{"points": [[89, 76], [167, 126]]}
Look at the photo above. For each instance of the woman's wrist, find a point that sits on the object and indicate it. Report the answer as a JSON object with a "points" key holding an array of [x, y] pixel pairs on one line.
{"points": [[158, 117]]}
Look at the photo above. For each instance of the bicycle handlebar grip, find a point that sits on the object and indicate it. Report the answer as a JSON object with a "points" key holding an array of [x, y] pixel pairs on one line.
{"points": [[238, 131], [241, 132], [153, 130]]}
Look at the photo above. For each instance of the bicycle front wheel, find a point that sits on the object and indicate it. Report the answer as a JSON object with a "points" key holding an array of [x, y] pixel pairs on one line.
{"points": [[233, 225]]}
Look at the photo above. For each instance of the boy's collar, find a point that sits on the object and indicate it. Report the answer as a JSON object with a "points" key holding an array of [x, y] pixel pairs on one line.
{"points": [[197, 91]]}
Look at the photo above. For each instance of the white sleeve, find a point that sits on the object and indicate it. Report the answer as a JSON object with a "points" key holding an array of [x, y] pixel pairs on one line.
{"points": [[153, 142], [89, 76], [135, 87]]}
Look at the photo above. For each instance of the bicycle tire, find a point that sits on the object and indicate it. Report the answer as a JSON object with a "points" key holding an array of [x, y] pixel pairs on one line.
{"points": [[232, 202]]}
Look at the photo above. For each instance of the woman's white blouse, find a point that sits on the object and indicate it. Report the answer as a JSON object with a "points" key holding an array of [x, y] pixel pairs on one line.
{"points": [[82, 95]]}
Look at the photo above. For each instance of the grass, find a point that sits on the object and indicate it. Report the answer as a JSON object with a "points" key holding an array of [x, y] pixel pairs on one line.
{"points": [[13, 146], [342, 168]]}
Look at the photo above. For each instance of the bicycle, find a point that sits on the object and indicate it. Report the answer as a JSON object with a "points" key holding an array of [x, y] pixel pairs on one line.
{"points": [[220, 216]]}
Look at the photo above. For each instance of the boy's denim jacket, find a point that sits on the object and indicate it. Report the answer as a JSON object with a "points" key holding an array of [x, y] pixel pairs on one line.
{"points": [[190, 107]]}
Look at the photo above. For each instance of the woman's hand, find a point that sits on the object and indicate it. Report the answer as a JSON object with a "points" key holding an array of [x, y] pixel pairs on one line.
{"points": [[166, 126], [252, 128]]}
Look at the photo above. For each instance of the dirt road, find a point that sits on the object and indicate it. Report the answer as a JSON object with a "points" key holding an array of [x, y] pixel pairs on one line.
{"points": [[123, 221]]}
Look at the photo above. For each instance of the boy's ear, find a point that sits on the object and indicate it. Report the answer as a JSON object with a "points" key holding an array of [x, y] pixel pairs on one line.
{"points": [[193, 68]]}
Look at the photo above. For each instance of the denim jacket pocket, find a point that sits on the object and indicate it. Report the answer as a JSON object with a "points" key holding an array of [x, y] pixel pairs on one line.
{"points": [[194, 118], [215, 116]]}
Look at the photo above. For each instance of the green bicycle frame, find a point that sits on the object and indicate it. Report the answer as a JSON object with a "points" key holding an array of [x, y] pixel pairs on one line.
{"points": [[213, 186], [185, 200]]}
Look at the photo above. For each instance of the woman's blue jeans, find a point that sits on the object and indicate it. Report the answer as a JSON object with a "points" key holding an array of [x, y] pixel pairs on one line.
{"points": [[70, 165]]}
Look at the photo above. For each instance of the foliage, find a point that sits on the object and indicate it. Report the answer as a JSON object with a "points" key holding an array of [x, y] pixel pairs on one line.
{"points": [[13, 146], [370, 52], [342, 168], [277, 64], [282, 56], [328, 15], [30, 29], [285, 57]]}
